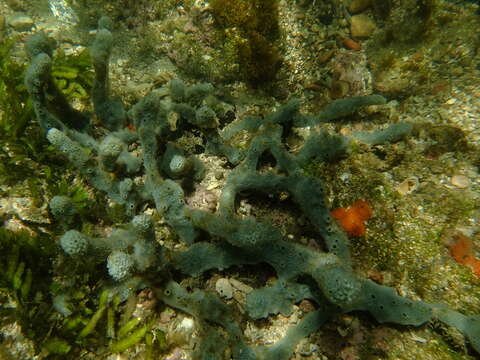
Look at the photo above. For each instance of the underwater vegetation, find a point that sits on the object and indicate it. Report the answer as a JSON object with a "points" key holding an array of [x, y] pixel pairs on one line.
{"points": [[17, 115], [26, 274], [73, 77], [141, 166], [249, 30]]}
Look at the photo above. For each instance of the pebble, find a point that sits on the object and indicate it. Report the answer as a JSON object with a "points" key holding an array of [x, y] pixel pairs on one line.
{"points": [[241, 286], [357, 6], [224, 288], [186, 324], [176, 354], [362, 26], [166, 316], [20, 22], [460, 181], [62, 11], [451, 101], [351, 44], [408, 186]]}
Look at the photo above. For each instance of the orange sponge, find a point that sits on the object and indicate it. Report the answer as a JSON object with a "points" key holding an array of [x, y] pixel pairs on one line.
{"points": [[462, 252], [353, 218]]}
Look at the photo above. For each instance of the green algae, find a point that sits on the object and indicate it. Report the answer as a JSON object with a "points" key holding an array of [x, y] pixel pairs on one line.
{"points": [[73, 74], [249, 30], [134, 338]]}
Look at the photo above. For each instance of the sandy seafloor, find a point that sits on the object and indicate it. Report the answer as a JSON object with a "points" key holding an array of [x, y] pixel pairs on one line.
{"points": [[424, 189]]}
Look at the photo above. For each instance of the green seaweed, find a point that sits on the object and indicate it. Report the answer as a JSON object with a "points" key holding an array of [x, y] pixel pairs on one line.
{"points": [[92, 323], [56, 346], [20, 139], [73, 74], [134, 338], [25, 270], [14, 100], [250, 29]]}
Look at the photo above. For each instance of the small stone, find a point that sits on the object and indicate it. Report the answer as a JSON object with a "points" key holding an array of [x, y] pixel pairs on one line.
{"points": [[166, 316], [407, 186], [357, 6], [186, 324], [451, 101], [176, 354], [352, 44], [20, 22], [241, 286], [362, 26], [224, 288], [460, 181], [394, 87]]}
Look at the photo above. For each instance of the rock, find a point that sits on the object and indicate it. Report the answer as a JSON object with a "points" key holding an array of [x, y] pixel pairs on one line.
{"points": [[20, 22], [224, 288], [460, 181], [408, 186], [362, 26], [392, 87], [25, 209], [186, 325], [357, 6], [241, 286], [352, 44]]}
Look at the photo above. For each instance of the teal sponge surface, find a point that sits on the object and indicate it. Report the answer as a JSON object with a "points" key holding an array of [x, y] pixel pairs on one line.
{"points": [[62, 208], [120, 265], [74, 243]]}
